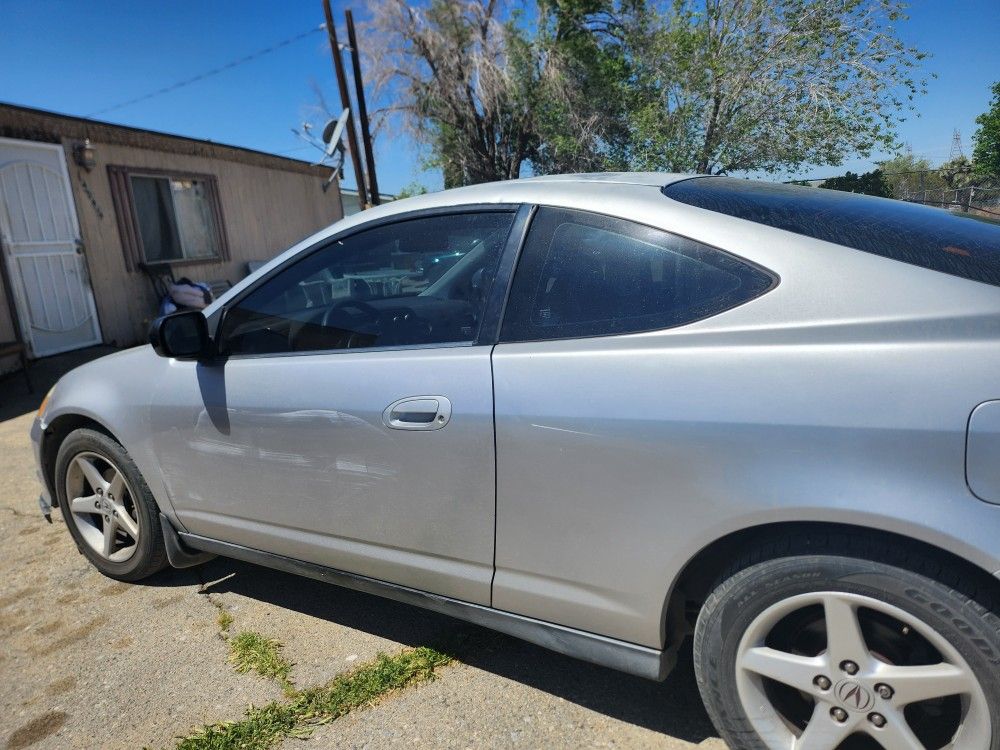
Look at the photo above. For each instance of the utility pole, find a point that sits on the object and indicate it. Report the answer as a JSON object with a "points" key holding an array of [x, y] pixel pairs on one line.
{"points": [[359, 88], [345, 101]]}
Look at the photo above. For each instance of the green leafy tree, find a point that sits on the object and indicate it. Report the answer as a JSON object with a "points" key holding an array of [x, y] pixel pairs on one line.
{"points": [[908, 174], [410, 190], [986, 141], [956, 173], [769, 85], [869, 183]]}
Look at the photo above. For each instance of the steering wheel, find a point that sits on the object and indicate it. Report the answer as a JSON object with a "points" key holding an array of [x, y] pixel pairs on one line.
{"points": [[371, 314]]}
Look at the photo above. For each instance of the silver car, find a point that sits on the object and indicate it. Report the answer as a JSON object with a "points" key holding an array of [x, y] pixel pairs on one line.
{"points": [[632, 408]]}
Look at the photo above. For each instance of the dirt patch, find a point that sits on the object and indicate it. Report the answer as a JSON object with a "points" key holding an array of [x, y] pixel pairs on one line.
{"points": [[60, 686], [164, 603], [73, 636], [68, 598], [10, 623], [6, 601], [122, 643], [37, 729], [28, 530], [115, 589], [49, 627]]}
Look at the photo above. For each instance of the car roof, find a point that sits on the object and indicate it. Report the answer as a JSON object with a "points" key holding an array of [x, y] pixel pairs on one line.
{"points": [[522, 190], [655, 179]]}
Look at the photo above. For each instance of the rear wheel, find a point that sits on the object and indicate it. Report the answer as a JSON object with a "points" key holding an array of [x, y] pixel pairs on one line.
{"points": [[107, 507], [816, 652]]}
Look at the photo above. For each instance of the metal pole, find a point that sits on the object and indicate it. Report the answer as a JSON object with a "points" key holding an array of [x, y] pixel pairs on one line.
{"points": [[362, 109], [345, 101]]}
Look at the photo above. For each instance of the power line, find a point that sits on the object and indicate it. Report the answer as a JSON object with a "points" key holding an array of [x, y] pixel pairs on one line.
{"points": [[213, 72]]}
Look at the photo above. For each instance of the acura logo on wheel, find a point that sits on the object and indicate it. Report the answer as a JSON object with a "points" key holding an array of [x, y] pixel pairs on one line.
{"points": [[853, 696]]}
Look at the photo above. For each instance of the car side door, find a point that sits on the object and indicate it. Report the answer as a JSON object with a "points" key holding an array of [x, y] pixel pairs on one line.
{"points": [[606, 416], [350, 423]]}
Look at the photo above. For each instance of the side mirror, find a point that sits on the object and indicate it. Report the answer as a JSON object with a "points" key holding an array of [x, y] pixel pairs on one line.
{"points": [[182, 335]]}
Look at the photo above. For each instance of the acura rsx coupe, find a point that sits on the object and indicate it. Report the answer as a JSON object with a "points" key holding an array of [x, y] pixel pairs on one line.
{"points": [[632, 408]]}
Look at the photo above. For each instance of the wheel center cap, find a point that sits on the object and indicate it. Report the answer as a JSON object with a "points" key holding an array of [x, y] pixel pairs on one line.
{"points": [[853, 696]]}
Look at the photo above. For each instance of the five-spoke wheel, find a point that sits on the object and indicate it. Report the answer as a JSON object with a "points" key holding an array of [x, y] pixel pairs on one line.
{"points": [[102, 506], [880, 673], [829, 651], [108, 507]]}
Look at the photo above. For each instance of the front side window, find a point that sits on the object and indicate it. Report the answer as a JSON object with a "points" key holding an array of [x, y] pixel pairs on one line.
{"points": [[582, 274], [417, 282], [168, 218]]}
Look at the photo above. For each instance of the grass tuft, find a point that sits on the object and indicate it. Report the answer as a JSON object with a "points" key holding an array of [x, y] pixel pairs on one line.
{"points": [[264, 727], [252, 652], [224, 620]]}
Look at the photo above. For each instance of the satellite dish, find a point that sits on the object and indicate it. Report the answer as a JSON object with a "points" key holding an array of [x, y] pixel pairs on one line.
{"points": [[333, 131]]}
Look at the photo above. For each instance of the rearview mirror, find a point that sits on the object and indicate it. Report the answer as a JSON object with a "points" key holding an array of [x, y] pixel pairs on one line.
{"points": [[182, 335]]}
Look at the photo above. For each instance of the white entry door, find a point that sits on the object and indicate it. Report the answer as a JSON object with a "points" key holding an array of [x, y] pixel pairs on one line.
{"points": [[42, 249]]}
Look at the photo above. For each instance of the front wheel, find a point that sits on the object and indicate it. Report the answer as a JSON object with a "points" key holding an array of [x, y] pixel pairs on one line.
{"points": [[816, 652], [107, 506]]}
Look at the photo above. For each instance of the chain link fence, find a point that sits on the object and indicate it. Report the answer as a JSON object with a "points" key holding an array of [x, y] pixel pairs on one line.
{"points": [[980, 194]]}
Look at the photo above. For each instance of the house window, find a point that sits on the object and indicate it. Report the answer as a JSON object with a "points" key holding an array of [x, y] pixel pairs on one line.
{"points": [[167, 217]]}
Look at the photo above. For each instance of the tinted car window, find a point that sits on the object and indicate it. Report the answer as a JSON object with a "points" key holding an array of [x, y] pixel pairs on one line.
{"points": [[924, 236], [417, 282], [581, 274]]}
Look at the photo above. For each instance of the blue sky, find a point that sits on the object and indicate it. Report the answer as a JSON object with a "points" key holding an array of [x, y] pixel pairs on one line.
{"points": [[79, 58]]}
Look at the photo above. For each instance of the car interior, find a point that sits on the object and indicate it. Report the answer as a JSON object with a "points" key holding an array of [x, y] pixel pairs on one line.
{"points": [[344, 305]]}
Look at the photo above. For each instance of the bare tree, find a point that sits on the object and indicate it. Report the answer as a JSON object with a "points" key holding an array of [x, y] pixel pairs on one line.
{"points": [[446, 67]]}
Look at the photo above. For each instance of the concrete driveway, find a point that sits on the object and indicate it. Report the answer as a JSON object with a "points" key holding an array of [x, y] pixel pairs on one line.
{"points": [[92, 663]]}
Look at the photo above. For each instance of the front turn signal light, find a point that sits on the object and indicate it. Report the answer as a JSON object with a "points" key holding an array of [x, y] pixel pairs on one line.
{"points": [[45, 402]]}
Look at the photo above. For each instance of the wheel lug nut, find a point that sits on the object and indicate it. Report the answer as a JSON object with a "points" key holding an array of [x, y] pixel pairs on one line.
{"points": [[877, 719], [884, 690], [97, 503], [100, 491], [839, 715], [822, 682], [849, 666]]}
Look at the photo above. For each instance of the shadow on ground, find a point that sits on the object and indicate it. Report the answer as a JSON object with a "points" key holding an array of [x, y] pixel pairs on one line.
{"points": [[673, 707], [15, 399]]}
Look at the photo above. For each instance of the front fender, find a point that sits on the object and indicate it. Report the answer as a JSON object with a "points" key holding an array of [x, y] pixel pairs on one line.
{"points": [[114, 392]]}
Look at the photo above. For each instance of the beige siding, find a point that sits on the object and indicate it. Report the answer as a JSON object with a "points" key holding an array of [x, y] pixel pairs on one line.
{"points": [[265, 210]]}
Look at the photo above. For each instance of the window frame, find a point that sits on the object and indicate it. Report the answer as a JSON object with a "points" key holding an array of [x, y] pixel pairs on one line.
{"points": [[775, 279], [120, 178], [495, 299]]}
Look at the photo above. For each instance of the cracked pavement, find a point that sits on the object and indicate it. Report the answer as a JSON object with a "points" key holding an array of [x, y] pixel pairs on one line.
{"points": [[91, 662]]}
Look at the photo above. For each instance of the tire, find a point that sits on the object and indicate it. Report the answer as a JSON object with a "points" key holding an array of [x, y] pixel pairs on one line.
{"points": [[120, 535], [786, 604]]}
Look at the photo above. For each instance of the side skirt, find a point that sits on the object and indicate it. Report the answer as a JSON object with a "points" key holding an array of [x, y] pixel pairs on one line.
{"points": [[627, 657]]}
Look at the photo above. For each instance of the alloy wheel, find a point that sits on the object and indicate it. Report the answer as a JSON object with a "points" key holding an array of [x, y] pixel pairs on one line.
{"points": [[102, 506], [831, 669]]}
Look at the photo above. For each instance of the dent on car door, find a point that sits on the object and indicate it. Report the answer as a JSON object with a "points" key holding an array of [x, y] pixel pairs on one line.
{"points": [[351, 424], [589, 461]]}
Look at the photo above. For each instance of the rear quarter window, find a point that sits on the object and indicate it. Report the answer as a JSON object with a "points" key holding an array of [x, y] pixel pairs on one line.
{"points": [[582, 274], [932, 238]]}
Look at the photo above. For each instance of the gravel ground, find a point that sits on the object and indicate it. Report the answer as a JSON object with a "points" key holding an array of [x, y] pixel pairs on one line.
{"points": [[90, 662]]}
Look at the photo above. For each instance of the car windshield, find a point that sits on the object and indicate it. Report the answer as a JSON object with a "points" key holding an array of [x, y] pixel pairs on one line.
{"points": [[958, 244]]}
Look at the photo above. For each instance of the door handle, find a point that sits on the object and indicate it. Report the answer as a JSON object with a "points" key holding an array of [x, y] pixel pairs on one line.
{"points": [[418, 413]]}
